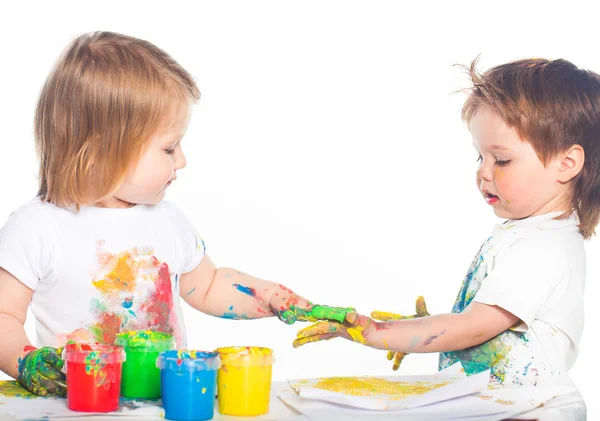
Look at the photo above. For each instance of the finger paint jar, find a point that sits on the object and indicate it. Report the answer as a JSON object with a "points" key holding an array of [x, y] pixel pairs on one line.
{"points": [[188, 381], [141, 377], [244, 380], [93, 376]]}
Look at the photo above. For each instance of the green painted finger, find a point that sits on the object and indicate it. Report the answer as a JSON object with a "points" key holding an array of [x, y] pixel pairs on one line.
{"points": [[50, 372], [53, 358]]}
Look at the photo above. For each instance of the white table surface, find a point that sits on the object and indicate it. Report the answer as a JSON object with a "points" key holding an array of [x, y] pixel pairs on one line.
{"points": [[281, 412]]}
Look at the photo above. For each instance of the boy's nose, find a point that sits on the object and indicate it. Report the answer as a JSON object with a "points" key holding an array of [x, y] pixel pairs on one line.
{"points": [[484, 173]]}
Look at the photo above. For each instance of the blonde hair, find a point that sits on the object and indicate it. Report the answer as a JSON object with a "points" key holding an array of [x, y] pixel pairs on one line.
{"points": [[106, 96], [553, 105]]}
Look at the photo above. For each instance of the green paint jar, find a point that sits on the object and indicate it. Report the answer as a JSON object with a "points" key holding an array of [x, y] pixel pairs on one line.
{"points": [[141, 377]]}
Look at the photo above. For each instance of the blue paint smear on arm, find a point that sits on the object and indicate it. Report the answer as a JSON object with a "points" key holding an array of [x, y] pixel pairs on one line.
{"points": [[192, 290], [245, 290]]}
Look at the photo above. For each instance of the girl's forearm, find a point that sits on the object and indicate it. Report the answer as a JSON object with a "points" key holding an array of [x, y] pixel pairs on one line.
{"points": [[13, 346], [237, 295], [439, 333]]}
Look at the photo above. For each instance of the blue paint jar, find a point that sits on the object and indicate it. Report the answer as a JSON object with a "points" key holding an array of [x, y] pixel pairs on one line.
{"points": [[188, 383]]}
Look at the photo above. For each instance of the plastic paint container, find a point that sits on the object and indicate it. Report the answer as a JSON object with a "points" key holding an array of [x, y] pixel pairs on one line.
{"points": [[93, 377], [244, 380], [188, 380], [141, 377]]}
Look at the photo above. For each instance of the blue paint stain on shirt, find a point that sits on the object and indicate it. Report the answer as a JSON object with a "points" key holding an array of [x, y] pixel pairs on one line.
{"points": [[128, 302]]}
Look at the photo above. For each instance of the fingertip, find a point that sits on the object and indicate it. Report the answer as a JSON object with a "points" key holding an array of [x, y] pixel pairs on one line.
{"points": [[352, 317]]}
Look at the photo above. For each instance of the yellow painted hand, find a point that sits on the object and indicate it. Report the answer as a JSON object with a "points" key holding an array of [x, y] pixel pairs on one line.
{"points": [[355, 328], [384, 316]]}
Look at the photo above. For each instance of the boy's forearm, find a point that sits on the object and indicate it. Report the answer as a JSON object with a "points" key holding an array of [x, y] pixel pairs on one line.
{"points": [[439, 333], [14, 344]]}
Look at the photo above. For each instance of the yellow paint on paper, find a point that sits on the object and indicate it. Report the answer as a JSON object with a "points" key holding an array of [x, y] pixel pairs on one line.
{"points": [[373, 386], [12, 389]]}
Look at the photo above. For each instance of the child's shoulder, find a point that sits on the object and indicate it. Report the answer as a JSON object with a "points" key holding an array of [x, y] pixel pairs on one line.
{"points": [[546, 236], [31, 213]]}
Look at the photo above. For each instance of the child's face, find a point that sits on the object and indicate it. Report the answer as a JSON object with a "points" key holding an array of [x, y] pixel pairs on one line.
{"points": [[147, 182], [511, 177]]}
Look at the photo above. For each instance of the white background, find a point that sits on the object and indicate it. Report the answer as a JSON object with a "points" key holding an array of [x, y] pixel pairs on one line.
{"points": [[327, 151]]}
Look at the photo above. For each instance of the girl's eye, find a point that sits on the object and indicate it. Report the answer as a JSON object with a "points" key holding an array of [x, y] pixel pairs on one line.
{"points": [[502, 163], [170, 151], [479, 158]]}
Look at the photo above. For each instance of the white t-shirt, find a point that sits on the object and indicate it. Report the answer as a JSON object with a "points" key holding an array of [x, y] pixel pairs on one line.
{"points": [[102, 270], [535, 269]]}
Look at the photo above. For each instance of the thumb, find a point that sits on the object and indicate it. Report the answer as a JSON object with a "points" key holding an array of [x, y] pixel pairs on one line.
{"points": [[357, 320]]}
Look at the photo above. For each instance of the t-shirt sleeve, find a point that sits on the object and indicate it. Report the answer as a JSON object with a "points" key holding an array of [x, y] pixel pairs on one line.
{"points": [[193, 248], [26, 250], [524, 277]]}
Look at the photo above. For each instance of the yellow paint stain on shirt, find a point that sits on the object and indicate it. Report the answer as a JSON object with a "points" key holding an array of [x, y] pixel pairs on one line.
{"points": [[203, 390], [121, 278], [373, 386]]}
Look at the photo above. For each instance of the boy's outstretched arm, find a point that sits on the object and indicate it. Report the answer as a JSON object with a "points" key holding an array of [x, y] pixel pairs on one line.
{"points": [[38, 370], [231, 294], [439, 333]]}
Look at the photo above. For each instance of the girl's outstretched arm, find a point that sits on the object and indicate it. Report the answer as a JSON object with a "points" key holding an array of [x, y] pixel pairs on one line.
{"points": [[439, 333], [231, 294]]}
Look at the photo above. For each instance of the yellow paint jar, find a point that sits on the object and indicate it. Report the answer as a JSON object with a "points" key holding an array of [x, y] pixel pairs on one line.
{"points": [[244, 380]]}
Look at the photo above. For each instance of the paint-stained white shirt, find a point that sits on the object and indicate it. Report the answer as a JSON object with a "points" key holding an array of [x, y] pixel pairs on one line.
{"points": [[100, 271], [535, 269]]}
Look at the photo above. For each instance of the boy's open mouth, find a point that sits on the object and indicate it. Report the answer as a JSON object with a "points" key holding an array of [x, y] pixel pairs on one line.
{"points": [[491, 199]]}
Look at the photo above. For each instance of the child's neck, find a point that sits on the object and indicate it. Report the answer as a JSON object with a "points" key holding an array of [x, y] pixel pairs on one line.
{"points": [[114, 202]]}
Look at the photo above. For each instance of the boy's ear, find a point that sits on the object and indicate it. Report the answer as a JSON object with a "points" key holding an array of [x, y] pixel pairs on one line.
{"points": [[571, 163]]}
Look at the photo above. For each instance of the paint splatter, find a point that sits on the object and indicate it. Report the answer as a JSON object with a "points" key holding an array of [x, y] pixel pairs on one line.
{"points": [[135, 293], [145, 339], [12, 389], [432, 338], [246, 290]]}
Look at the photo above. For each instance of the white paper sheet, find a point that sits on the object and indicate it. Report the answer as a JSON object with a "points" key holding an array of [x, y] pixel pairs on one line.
{"points": [[396, 392], [465, 408], [489, 404]]}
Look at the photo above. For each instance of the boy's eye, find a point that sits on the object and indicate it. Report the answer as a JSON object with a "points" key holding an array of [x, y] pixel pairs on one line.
{"points": [[501, 163], [170, 151], [479, 158]]}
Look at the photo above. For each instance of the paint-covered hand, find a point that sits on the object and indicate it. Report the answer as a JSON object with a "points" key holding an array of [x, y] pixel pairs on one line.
{"points": [[288, 306], [355, 328], [40, 371], [383, 316]]}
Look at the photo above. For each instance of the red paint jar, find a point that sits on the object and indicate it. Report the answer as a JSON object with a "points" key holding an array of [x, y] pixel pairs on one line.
{"points": [[93, 377]]}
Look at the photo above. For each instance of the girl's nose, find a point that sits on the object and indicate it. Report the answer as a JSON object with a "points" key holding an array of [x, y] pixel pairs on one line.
{"points": [[180, 161]]}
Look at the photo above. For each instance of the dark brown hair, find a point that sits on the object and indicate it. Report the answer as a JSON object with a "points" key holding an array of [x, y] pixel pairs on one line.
{"points": [[553, 105], [106, 96]]}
